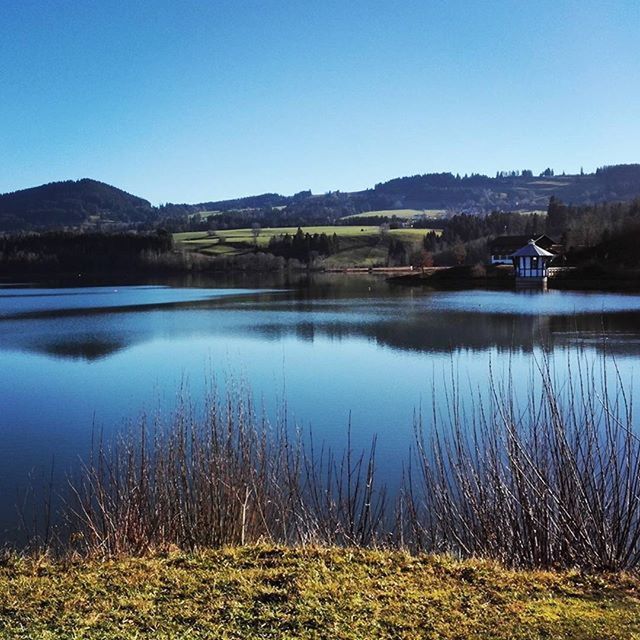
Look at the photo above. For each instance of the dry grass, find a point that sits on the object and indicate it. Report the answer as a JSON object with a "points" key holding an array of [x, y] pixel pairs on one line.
{"points": [[227, 477], [224, 527], [274, 592]]}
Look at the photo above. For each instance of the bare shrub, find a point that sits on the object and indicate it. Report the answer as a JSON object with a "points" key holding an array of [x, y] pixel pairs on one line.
{"points": [[229, 478], [551, 482]]}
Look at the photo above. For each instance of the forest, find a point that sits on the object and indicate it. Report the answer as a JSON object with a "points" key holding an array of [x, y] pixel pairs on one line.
{"points": [[72, 204], [607, 233], [71, 252]]}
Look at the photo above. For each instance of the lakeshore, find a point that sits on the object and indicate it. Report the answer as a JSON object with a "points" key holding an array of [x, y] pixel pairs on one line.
{"points": [[501, 277]]}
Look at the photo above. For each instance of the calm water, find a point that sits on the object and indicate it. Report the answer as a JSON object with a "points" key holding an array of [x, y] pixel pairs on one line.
{"points": [[335, 347]]}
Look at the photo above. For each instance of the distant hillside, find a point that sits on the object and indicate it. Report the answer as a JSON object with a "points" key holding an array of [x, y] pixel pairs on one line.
{"points": [[510, 191], [91, 204], [72, 204], [507, 191]]}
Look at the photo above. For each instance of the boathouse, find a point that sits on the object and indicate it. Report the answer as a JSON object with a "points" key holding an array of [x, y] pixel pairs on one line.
{"points": [[531, 264]]}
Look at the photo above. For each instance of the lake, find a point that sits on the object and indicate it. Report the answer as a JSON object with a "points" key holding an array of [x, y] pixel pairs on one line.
{"points": [[338, 349]]}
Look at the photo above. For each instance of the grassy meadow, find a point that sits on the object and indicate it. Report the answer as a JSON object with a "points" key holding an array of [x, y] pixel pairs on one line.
{"points": [[308, 592], [359, 245], [401, 214]]}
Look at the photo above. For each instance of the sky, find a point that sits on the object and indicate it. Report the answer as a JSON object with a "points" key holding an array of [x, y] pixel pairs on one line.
{"points": [[188, 101]]}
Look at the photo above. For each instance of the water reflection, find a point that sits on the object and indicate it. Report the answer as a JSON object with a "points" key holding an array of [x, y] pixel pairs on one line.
{"points": [[338, 348], [93, 324], [86, 348]]}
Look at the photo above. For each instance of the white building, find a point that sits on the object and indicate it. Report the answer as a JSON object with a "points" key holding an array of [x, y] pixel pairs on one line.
{"points": [[503, 247], [531, 264]]}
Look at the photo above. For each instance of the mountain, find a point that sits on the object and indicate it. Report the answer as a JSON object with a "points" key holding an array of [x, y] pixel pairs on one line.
{"points": [[72, 203], [90, 204], [507, 191]]}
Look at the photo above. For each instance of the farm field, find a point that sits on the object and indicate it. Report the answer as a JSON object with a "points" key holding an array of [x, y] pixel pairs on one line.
{"points": [[359, 245], [203, 215], [401, 214]]}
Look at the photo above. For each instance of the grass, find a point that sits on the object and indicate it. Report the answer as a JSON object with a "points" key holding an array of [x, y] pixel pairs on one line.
{"points": [[402, 214], [366, 256], [228, 528], [358, 241], [245, 236], [203, 215], [306, 592], [217, 249]]}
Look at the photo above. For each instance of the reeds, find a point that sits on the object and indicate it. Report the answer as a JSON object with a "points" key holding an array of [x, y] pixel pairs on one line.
{"points": [[550, 480], [553, 481], [226, 478]]}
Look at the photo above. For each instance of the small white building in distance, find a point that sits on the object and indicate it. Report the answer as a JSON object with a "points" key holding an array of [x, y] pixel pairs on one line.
{"points": [[531, 263], [503, 247]]}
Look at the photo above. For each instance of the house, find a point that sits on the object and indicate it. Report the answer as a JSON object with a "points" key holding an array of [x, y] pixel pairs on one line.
{"points": [[503, 247], [530, 264]]}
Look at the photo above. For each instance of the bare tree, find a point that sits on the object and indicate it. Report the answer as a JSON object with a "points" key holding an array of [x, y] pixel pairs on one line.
{"points": [[256, 230]]}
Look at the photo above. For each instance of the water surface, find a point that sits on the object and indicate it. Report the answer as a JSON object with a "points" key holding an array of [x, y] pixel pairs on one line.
{"points": [[340, 349]]}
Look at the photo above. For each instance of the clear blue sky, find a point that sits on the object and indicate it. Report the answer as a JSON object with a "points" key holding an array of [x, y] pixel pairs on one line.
{"points": [[187, 101]]}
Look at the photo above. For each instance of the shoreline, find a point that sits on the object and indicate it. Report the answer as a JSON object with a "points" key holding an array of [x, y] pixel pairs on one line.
{"points": [[462, 277]]}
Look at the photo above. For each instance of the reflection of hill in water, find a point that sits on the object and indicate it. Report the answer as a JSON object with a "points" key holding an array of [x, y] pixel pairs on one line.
{"points": [[397, 321], [89, 349], [448, 331]]}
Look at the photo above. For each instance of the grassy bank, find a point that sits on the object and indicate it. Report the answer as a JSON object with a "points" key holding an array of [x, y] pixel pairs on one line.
{"points": [[273, 592]]}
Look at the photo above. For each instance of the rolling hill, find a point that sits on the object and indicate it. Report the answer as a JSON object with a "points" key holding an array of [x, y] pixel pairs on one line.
{"points": [[72, 203], [507, 191], [91, 204]]}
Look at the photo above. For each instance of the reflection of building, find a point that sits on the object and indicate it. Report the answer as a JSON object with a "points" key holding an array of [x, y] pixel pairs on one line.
{"points": [[530, 263], [503, 247]]}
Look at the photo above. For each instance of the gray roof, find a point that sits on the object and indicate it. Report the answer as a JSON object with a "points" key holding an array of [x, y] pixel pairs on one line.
{"points": [[531, 249], [509, 244]]}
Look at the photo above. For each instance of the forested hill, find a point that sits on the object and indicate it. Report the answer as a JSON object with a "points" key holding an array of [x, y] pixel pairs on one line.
{"points": [[72, 203], [506, 191], [91, 204], [511, 190]]}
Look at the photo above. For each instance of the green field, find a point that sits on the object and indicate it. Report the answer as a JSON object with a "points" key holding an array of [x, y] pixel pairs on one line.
{"points": [[274, 592], [359, 243], [401, 214], [205, 214], [367, 256]]}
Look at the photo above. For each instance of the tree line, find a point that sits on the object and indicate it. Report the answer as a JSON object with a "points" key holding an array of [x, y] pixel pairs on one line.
{"points": [[305, 247], [74, 252], [608, 232]]}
